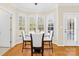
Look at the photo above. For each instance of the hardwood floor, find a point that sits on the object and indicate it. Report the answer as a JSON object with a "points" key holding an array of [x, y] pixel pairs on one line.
{"points": [[57, 51]]}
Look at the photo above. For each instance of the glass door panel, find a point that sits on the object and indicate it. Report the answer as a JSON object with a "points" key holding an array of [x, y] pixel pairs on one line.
{"points": [[69, 29]]}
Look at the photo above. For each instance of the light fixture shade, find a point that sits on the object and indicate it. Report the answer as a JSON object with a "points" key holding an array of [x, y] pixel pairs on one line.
{"points": [[35, 3]]}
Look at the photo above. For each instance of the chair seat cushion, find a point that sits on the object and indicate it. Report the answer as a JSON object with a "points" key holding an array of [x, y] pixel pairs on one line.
{"points": [[27, 39], [47, 39]]}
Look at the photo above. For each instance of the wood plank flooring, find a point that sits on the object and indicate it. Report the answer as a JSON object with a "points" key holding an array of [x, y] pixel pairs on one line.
{"points": [[57, 51]]}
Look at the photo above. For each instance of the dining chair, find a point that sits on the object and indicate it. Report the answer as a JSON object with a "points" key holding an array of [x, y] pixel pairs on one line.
{"points": [[49, 39], [37, 44], [25, 40]]}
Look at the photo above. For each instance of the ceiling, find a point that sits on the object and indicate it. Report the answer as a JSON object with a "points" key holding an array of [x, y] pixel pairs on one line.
{"points": [[31, 7], [39, 8]]}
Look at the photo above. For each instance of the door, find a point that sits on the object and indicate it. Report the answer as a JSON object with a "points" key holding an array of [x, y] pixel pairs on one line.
{"points": [[69, 30], [4, 29]]}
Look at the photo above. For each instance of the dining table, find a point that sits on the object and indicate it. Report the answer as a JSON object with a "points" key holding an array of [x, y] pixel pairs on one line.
{"points": [[37, 49]]}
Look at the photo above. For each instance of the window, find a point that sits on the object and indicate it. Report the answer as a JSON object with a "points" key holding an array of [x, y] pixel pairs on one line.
{"points": [[50, 25], [40, 23], [32, 24], [21, 23], [37, 24]]}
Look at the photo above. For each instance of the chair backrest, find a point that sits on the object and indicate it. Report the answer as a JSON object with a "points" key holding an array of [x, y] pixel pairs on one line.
{"points": [[23, 35], [51, 34], [37, 40]]}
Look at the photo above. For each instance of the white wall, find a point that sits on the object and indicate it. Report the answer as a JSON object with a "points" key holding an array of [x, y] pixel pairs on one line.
{"points": [[11, 10]]}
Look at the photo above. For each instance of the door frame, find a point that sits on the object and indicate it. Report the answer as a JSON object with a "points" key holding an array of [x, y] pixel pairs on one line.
{"points": [[70, 15]]}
